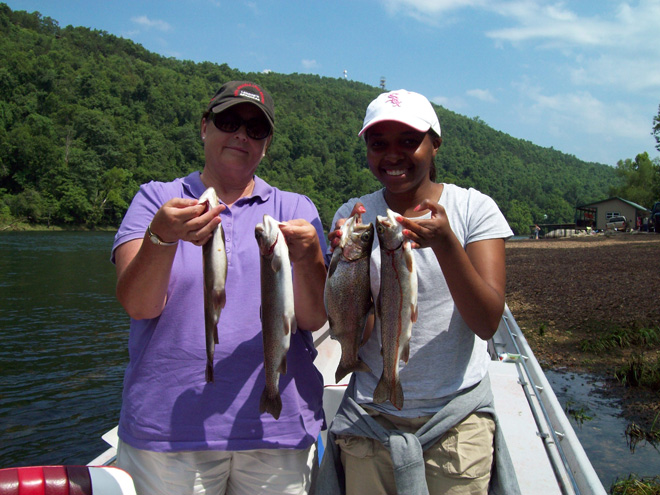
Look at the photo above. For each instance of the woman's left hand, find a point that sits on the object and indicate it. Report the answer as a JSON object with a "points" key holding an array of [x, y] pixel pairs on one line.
{"points": [[308, 273], [301, 238], [427, 232]]}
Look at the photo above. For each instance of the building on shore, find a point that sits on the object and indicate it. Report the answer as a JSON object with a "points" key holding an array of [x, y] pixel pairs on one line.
{"points": [[597, 214]]}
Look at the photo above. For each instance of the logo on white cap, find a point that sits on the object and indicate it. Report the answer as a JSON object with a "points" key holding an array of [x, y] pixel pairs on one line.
{"points": [[393, 98]]}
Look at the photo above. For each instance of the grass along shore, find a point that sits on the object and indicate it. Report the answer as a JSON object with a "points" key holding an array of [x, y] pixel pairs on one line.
{"points": [[592, 304]]}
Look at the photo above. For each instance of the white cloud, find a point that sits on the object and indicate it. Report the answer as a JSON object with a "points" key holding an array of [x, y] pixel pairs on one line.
{"points": [[454, 104], [597, 46], [572, 113], [414, 7], [309, 64], [145, 22], [253, 7], [481, 94]]}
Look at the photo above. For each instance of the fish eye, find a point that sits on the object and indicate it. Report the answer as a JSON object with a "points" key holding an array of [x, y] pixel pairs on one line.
{"points": [[380, 228], [366, 236]]}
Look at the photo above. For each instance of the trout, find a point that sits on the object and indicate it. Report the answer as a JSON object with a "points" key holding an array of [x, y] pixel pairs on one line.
{"points": [[347, 293], [278, 318], [214, 258], [396, 307]]}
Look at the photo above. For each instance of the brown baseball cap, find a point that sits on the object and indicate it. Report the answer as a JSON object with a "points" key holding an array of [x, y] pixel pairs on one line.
{"points": [[235, 92]]}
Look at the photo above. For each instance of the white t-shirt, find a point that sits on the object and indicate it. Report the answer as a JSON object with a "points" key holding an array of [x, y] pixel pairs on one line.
{"points": [[445, 355]]}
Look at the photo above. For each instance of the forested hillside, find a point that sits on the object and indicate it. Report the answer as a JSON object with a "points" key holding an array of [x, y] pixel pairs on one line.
{"points": [[85, 117]]}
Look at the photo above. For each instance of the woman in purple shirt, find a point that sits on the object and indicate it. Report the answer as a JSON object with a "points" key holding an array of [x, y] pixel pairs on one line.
{"points": [[178, 433]]}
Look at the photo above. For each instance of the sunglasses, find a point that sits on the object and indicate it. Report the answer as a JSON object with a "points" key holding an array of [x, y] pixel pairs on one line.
{"points": [[256, 128]]}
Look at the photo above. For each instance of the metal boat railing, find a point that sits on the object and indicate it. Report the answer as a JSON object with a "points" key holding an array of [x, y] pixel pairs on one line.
{"points": [[573, 470]]}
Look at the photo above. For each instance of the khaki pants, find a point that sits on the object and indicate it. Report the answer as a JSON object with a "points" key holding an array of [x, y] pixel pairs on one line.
{"points": [[459, 463], [211, 472]]}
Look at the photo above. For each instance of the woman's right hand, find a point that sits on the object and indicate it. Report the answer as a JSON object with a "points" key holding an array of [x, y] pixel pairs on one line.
{"points": [[334, 236], [187, 220], [143, 269]]}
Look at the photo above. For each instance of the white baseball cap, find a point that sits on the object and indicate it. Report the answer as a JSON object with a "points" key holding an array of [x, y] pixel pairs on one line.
{"points": [[411, 109]]}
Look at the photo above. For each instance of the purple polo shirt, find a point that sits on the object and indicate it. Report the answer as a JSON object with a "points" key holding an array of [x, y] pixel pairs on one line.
{"points": [[167, 404]]}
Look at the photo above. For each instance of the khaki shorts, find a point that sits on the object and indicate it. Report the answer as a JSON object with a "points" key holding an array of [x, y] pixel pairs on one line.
{"points": [[249, 472], [459, 463]]}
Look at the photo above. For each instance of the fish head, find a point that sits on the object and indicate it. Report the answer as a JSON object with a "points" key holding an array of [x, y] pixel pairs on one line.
{"points": [[345, 232], [267, 234], [389, 231], [359, 240], [209, 196]]}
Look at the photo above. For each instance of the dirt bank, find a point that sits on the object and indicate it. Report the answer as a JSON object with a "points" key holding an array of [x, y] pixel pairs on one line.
{"points": [[567, 294]]}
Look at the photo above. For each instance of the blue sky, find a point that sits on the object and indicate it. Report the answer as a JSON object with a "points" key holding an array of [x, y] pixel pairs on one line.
{"points": [[582, 76]]}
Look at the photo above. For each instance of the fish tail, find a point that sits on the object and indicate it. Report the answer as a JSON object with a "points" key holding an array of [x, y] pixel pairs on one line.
{"points": [[396, 395], [343, 370], [385, 391], [209, 371], [272, 404], [382, 392]]}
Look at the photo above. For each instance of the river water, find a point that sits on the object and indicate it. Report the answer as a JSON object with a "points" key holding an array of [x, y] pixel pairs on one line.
{"points": [[63, 350], [63, 347]]}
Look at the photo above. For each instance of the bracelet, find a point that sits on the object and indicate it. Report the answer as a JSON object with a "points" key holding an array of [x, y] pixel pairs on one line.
{"points": [[157, 240]]}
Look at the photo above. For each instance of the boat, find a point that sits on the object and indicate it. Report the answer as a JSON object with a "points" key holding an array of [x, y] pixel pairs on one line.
{"points": [[547, 455]]}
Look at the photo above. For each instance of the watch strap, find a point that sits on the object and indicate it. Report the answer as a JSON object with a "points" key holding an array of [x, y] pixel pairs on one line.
{"points": [[155, 238]]}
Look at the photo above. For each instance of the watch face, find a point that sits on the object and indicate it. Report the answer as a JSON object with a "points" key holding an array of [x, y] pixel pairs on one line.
{"points": [[154, 239]]}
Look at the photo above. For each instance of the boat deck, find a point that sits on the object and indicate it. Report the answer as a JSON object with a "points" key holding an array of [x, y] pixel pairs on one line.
{"points": [[547, 455], [530, 460]]}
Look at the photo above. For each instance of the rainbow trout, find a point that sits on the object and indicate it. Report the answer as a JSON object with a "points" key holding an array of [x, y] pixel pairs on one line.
{"points": [[278, 318], [396, 307], [347, 293], [214, 259]]}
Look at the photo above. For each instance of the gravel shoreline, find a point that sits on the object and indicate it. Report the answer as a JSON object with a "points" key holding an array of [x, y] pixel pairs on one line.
{"points": [[566, 293]]}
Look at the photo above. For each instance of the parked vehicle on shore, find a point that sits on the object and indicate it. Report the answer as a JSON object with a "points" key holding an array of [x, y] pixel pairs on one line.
{"points": [[655, 217], [617, 223]]}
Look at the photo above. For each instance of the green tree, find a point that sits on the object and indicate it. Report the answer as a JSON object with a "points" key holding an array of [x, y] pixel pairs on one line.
{"points": [[639, 180], [520, 217], [85, 117]]}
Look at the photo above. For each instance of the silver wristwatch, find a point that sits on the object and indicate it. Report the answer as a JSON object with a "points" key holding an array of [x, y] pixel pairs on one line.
{"points": [[157, 240]]}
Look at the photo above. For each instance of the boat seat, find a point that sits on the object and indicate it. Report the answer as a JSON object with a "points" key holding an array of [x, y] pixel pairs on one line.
{"points": [[65, 480]]}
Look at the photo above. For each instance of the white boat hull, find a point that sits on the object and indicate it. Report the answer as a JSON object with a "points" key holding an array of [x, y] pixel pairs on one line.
{"points": [[547, 456]]}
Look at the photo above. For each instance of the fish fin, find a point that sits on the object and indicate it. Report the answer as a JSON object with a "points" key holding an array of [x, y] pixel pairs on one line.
{"points": [[340, 373], [377, 308], [413, 312], [334, 262], [330, 327], [382, 391], [342, 370], [276, 264], [368, 329], [289, 323], [408, 257], [405, 353], [282, 367], [271, 405], [219, 298]]}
